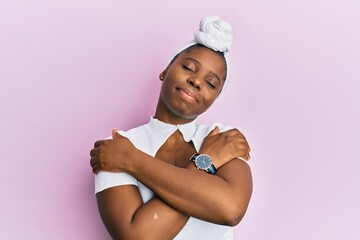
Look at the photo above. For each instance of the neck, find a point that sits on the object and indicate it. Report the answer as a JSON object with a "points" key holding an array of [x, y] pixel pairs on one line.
{"points": [[164, 114], [172, 119]]}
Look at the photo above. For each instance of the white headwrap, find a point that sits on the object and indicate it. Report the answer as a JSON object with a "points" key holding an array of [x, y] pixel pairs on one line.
{"points": [[215, 34]]}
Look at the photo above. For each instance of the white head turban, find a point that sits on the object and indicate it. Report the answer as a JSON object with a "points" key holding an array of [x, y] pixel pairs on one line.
{"points": [[215, 34]]}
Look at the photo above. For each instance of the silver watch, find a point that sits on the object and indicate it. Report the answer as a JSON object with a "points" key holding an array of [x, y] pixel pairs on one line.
{"points": [[203, 162]]}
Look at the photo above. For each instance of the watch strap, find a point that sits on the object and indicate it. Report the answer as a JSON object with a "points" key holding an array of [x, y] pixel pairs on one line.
{"points": [[211, 169], [193, 157]]}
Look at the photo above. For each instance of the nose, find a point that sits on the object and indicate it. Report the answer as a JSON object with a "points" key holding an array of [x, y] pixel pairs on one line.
{"points": [[194, 82]]}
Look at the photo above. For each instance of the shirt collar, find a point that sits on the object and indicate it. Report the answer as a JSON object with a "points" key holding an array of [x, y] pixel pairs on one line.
{"points": [[187, 130]]}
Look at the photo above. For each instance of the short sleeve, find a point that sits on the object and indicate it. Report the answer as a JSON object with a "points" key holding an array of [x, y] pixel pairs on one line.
{"points": [[203, 130], [104, 180]]}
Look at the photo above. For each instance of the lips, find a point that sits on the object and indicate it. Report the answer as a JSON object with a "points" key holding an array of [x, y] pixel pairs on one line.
{"points": [[187, 94]]}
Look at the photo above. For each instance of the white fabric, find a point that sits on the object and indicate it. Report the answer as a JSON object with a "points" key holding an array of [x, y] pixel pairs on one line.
{"points": [[215, 33], [149, 138]]}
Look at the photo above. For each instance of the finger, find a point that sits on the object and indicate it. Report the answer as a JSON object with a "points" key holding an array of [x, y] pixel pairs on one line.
{"points": [[215, 131], [243, 139], [246, 157], [93, 162], [243, 152], [247, 144], [94, 165], [93, 152], [234, 132], [98, 143], [248, 154], [95, 169], [115, 133]]}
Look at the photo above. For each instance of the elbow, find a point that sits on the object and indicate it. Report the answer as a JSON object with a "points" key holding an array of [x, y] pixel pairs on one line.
{"points": [[122, 236], [233, 214], [232, 219], [232, 222]]}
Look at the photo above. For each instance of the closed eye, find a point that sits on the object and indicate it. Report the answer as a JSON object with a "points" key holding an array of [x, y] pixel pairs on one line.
{"points": [[210, 85], [187, 68]]}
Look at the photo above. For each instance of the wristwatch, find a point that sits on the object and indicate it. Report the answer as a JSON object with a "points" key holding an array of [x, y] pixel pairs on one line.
{"points": [[203, 162]]}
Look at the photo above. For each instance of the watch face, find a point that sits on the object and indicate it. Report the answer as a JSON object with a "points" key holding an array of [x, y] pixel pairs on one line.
{"points": [[203, 161]]}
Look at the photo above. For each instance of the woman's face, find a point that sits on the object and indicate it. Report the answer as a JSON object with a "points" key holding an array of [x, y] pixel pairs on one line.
{"points": [[191, 83]]}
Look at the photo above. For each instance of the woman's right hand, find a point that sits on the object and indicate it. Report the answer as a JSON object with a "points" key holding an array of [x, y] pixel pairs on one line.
{"points": [[223, 147]]}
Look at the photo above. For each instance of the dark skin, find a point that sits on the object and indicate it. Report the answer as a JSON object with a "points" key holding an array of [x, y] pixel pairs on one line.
{"points": [[190, 85]]}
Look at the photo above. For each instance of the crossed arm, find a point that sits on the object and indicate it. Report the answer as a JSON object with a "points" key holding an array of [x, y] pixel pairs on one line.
{"points": [[126, 217], [181, 192]]}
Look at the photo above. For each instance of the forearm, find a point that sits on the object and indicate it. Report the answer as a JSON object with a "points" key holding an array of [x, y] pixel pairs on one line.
{"points": [[126, 217], [193, 192], [160, 220]]}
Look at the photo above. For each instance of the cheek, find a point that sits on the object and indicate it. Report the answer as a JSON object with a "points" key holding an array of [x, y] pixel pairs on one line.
{"points": [[210, 99]]}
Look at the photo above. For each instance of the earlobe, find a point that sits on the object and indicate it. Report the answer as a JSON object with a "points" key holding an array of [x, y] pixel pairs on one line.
{"points": [[162, 75]]}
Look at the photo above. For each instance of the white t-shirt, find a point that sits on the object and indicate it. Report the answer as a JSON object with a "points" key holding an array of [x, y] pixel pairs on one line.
{"points": [[149, 138]]}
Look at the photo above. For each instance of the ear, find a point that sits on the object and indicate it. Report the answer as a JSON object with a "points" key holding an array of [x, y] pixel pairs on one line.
{"points": [[162, 75]]}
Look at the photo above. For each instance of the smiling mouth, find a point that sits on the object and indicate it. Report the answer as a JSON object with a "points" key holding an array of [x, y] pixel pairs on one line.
{"points": [[187, 95]]}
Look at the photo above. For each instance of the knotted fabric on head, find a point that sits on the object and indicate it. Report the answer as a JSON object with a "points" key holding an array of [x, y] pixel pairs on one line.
{"points": [[216, 34]]}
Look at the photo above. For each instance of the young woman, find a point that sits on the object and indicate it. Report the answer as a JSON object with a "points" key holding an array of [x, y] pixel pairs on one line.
{"points": [[173, 178]]}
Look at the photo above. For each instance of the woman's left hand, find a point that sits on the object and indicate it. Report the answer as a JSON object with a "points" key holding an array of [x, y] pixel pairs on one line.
{"points": [[111, 155]]}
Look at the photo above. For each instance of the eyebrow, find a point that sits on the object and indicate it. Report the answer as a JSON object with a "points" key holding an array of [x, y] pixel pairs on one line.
{"points": [[211, 72]]}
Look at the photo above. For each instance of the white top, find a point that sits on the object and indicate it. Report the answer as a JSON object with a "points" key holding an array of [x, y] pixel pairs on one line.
{"points": [[149, 138]]}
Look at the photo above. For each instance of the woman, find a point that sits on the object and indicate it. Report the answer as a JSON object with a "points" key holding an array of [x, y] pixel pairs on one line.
{"points": [[173, 178]]}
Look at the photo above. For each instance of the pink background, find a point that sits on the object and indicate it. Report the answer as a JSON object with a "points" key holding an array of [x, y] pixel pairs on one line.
{"points": [[70, 71]]}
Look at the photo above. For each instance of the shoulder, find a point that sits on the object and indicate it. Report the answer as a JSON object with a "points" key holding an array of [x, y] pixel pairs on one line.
{"points": [[202, 130], [133, 133]]}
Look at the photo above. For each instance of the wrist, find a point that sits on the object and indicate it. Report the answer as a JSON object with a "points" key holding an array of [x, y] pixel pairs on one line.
{"points": [[133, 161], [213, 156], [126, 159], [204, 162], [191, 165]]}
